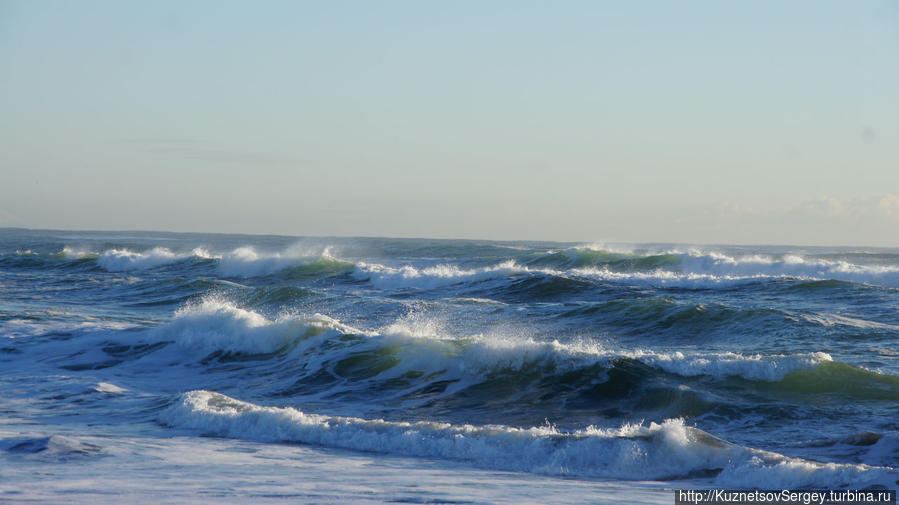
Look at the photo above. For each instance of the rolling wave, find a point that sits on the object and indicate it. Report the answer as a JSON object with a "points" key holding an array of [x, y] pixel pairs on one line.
{"points": [[411, 364], [414, 362], [216, 324], [408, 276], [124, 260], [241, 262], [676, 269], [247, 262], [697, 268], [669, 450], [693, 269]]}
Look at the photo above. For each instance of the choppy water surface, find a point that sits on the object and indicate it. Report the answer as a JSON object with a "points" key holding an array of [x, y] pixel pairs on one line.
{"points": [[729, 366]]}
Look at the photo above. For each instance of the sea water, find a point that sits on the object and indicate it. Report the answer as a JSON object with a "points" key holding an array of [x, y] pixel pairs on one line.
{"points": [[173, 368]]}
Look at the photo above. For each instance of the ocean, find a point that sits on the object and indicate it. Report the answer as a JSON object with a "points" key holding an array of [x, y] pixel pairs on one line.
{"points": [[151, 367]]}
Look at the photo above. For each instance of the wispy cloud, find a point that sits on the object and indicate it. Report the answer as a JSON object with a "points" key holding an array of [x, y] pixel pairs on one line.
{"points": [[886, 206], [827, 206], [826, 219]]}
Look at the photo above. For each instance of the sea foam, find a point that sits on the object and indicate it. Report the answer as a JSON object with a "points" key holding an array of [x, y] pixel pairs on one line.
{"points": [[408, 276], [217, 325], [123, 260], [697, 268], [249, 262], [632, 451]]}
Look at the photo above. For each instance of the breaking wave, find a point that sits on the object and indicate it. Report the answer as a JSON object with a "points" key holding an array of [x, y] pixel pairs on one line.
{"points": [[697, 268], [215, 324], [248, 262], [693, 268], [668, 450]]}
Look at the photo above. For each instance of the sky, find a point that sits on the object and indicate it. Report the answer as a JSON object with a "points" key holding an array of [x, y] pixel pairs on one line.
{"points": [[762, 122]]}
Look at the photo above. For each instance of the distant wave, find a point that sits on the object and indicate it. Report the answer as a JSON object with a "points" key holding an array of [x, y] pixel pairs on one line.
{"points": [[431, 277], [692, 269], [248, 262], [632, 451], [674, 268], [124, 260], [241, 262], [696, 268]]}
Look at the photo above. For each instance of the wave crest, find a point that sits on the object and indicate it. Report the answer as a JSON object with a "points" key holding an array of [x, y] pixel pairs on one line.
{"points": [[123, 260], [217, 325], [248, 262], [631, 451], [408, 276], [699, 268], [420, 347]]}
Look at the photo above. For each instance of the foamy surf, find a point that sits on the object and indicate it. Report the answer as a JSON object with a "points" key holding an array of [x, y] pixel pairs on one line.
{"points": [[667, 450], [455, 358]]}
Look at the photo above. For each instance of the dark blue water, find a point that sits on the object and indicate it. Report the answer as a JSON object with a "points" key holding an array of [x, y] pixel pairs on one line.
{"points": [[745, 365]]}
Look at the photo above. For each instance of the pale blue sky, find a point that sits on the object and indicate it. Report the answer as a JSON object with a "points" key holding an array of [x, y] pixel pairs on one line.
{"points": [[714, 122]]}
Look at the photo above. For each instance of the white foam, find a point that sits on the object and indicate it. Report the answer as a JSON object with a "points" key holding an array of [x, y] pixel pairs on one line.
{"points": [[248, 262], [479, 301], [241, 262], [611, 248], [215, 324], [107, 387], [668, 278], [884, 451], [697, 268], [758, 367], [20, 328], [789, 265], [77, 253], [408, 276], [192, 469], [753, 470], [122, 260], [632, 451], [826, 319], [693, 269]]}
